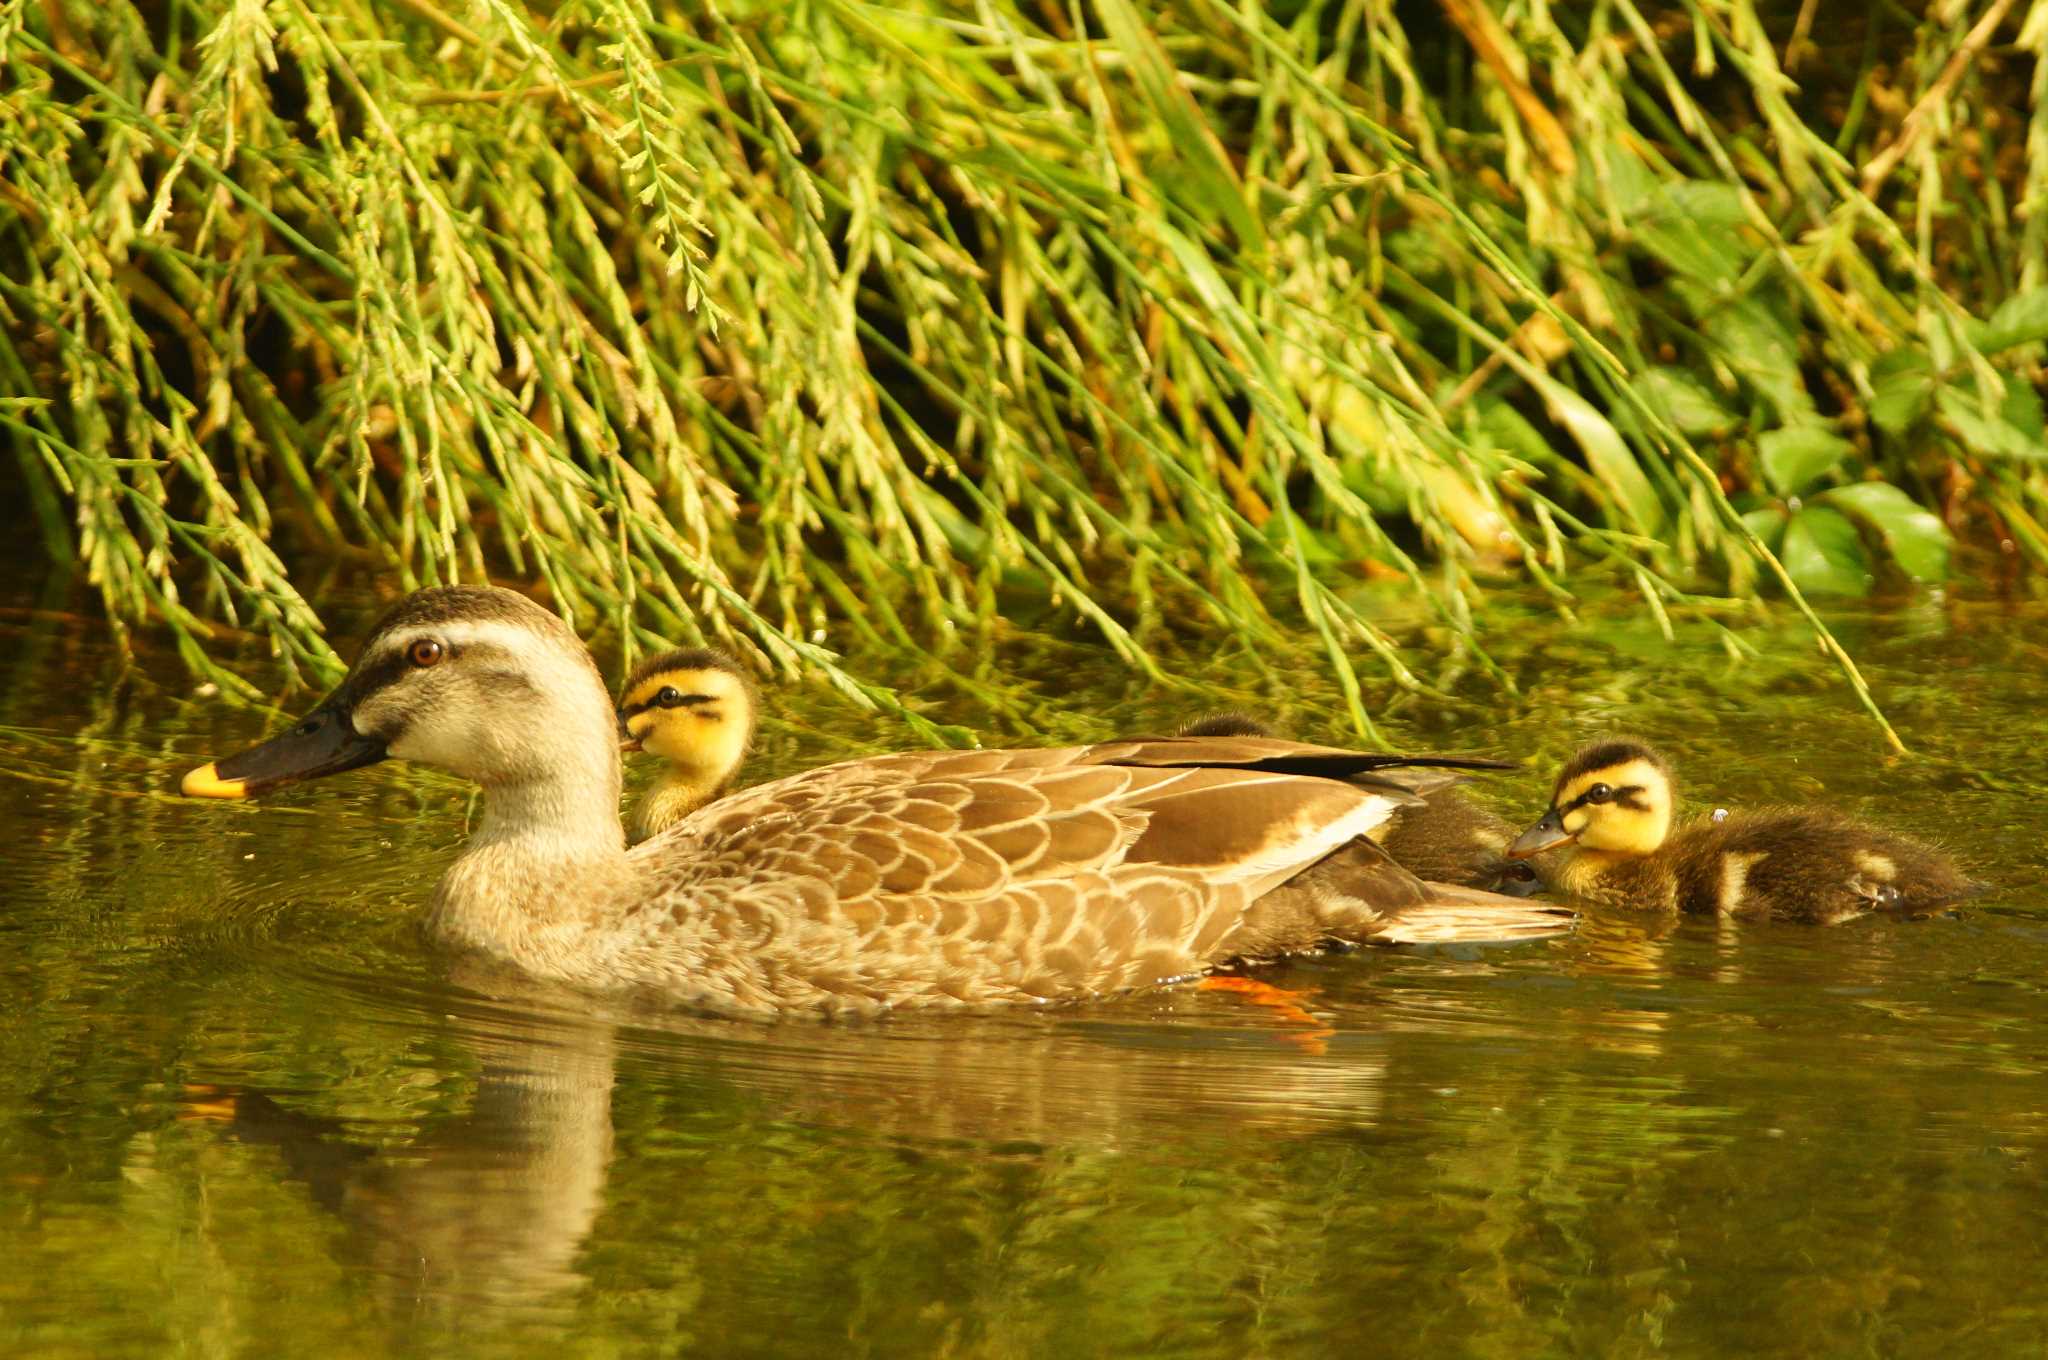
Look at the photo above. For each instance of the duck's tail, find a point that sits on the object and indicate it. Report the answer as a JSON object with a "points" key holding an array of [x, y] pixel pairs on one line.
{"points": [[1454, 915]]}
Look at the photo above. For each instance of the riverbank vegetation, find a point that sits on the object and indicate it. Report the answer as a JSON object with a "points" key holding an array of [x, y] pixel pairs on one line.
{"points": [[804, 325]]}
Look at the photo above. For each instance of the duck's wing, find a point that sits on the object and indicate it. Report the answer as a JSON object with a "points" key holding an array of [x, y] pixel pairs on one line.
{"points": [[983, 876], [1399, 775]]}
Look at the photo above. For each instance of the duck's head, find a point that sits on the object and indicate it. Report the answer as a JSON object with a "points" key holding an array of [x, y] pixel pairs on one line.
{"points": [[477, 680], [1614, 796], [694, 708], [1231, 724]]}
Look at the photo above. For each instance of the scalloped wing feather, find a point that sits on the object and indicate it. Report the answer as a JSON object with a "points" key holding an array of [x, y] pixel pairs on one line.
{"points": [[986, 876]]}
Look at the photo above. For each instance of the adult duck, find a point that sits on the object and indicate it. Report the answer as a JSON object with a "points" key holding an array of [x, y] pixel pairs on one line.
{"points": [[931, 878]]}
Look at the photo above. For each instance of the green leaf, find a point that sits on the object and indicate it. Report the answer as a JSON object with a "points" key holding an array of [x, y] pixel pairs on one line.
{"points": [[1607, 453], [1914, 535], [1695, 228], [1759, 341], [1991, 436], [2022, 407], [1824, 554], [1511, 432], [1767, 524], [1797, 455], [1902, 388], [2020, 320], [1321, 551], [1683, 400]]}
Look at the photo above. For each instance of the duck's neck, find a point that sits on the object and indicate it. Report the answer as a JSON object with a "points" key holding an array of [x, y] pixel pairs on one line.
{"points": [[555, 817], [547, 866]]}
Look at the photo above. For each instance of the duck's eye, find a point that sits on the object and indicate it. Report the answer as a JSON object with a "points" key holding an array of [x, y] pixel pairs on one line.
{"points": [[426, 652], [670, 697], [1599, 793]]}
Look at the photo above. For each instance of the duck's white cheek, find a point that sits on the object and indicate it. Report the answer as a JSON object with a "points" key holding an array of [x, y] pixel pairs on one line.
{"points": [[428, 746]]}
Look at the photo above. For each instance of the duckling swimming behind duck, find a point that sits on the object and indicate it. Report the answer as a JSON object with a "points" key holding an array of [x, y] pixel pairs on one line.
{"points": [[696, 709], [1445, 838], [1613, 805]]}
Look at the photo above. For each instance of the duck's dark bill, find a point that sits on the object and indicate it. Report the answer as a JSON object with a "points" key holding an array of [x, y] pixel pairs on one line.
{"points": [[323, 743], [1547, 834]]}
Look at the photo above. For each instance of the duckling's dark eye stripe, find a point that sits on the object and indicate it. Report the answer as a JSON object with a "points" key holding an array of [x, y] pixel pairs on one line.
{"points": [[687, 701], [1629, 796]]}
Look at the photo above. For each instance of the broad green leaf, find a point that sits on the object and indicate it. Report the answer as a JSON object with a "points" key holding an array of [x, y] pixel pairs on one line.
{"points": [[1629, 180], [1319, 550], [1759, 342], [1768, 524], [1914, 535], [1607, 453], [1695, 228], [2022, 407], [2020, 320], [1794, 457], [1902, 389], [1824, 554], [1992, 436], [1511, 431], [1683, 400]]}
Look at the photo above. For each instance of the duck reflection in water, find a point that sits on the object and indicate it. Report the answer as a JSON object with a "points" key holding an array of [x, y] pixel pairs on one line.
{"points": [[494, 1203]]}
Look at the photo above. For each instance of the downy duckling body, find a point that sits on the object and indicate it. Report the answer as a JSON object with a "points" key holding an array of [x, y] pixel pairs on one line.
{"points": [[1613, 805], [921, 879], [696, 708], [1445, 837]]}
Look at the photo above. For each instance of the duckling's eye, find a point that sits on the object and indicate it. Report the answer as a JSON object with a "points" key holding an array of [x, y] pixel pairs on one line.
{"points": [[1599, 793], [670, 697], [424, 653]]}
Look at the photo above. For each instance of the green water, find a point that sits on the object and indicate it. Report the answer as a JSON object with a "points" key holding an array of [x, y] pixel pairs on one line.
{"points": [[246, 1110]]}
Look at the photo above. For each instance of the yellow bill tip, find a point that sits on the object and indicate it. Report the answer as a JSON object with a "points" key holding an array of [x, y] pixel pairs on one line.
{"points": [[205, 782]]}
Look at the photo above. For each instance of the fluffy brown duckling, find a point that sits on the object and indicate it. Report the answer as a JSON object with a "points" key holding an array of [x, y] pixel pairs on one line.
{"points": [[1611, 814], [695, 708], [1445, 837]]}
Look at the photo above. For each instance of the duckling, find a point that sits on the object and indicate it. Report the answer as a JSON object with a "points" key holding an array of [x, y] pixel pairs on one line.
{"points": [[696, 709], [1613, 804], [1445, 838], [943, 879]]}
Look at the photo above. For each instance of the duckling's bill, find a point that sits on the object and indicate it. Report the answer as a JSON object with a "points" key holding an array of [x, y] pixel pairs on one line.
{"points": [[324, 742], [1547, 834]]}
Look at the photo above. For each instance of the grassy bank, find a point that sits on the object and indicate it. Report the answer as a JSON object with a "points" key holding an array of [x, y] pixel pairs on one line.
{"points": [[802, 324]]}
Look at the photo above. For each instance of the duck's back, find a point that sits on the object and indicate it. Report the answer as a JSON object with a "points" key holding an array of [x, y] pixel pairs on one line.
{"points": [[1806, 864], [969, 878]]}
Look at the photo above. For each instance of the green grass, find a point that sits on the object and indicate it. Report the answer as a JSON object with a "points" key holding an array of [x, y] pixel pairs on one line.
{"points": [[805, 325]]}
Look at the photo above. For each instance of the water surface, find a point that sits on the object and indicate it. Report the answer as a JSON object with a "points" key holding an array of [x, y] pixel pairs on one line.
{"points": [[246, 1109]]}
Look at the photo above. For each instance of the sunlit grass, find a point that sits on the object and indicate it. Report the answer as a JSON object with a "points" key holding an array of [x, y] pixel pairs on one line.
{"points": [[806, 325]]}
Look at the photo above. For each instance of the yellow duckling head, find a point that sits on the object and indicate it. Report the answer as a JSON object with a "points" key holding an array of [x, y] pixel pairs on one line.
{"points": [[1614, 796], [696, 709]]}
